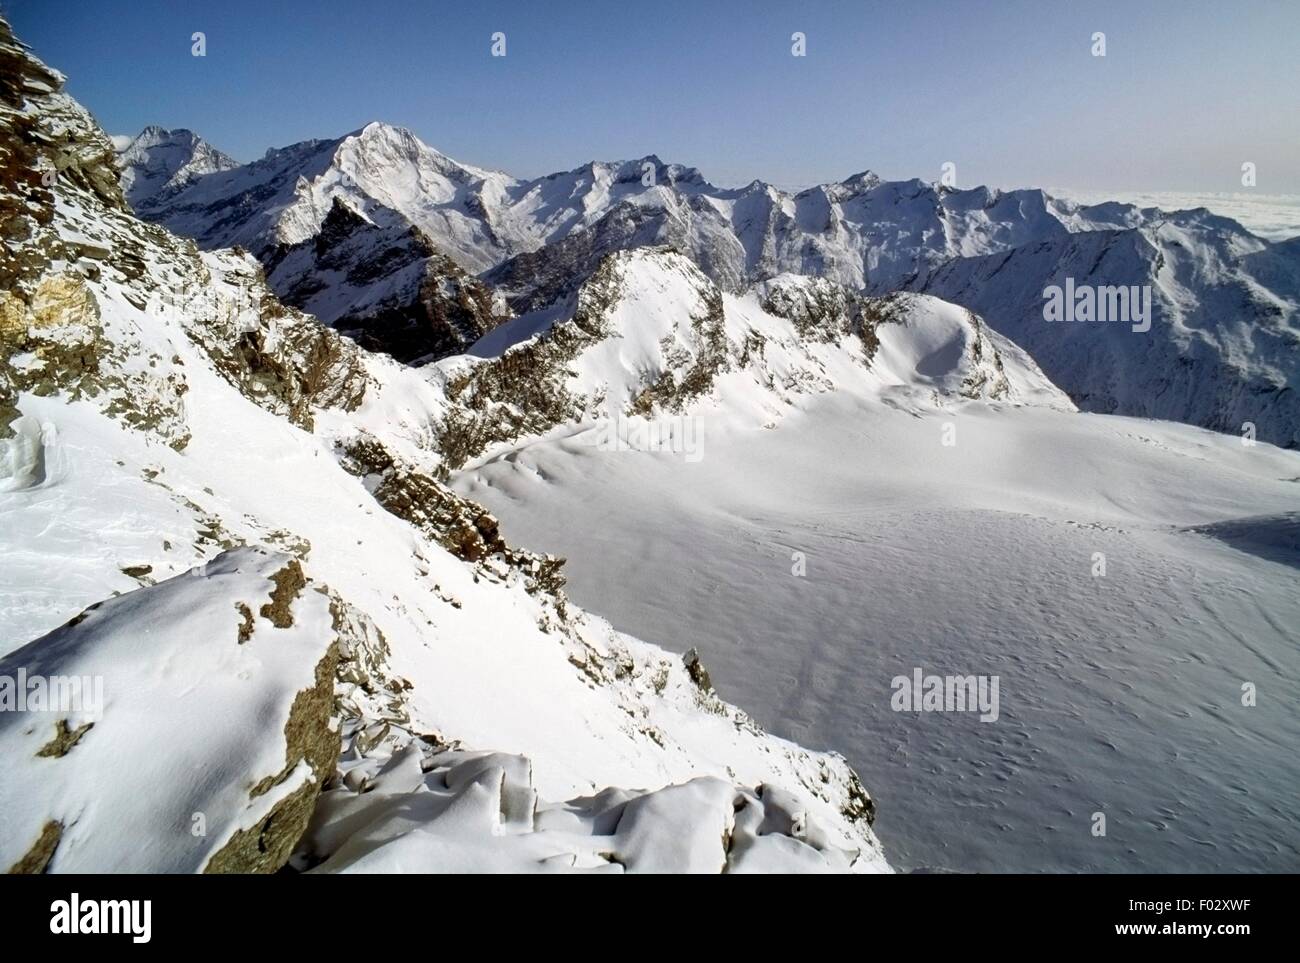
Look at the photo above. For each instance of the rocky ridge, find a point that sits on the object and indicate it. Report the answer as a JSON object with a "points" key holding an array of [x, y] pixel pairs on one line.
{"points": [[182, 450]]}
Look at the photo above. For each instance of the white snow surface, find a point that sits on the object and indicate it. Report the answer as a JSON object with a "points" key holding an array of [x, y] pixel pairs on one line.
{"points": [[1120, 693], [190, 721]]}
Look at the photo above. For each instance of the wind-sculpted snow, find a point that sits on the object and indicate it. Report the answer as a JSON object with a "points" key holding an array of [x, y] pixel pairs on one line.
{"points": [[135, 774], [424, 808]]}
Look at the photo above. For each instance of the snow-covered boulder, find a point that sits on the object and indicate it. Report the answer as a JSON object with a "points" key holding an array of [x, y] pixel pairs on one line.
{"points": [[183, 727]]}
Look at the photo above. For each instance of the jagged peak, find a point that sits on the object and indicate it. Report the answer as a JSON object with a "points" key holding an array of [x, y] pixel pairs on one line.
{"points": [[159, 160], [404, 144], [863, 180]]}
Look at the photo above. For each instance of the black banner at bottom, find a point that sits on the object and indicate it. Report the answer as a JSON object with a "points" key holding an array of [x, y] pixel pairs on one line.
{"points": [[210, 913]]}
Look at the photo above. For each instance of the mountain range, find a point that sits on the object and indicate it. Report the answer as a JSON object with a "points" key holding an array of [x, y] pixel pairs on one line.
{"points": [[1221, 350]]}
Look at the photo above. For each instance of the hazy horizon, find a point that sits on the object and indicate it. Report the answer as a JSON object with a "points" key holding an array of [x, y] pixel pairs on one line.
{"points": [[1011, 95]]}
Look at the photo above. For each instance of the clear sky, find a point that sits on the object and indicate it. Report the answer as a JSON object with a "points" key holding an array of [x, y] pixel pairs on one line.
{"points": [[1009, 92]]}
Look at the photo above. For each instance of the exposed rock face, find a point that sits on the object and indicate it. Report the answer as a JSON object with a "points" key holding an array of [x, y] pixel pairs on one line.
{"points": [[526, 389], [535, 279], [309, 738], [820, 310], [33, 115], [282, 360], [462, 527], [46, 135], [52, 336], [37, 859], [387, 288], [57, 336]]}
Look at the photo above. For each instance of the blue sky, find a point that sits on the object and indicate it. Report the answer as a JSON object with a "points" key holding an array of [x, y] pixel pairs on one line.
{"points": [[1007, 91]]}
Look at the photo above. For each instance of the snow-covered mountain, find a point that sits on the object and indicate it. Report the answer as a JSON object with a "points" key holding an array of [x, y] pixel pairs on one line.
{"points": [[387, 287], [649, 337], [1223, 345], [215, 508], [862, 232], [383, 172], [757, 430], [158, 163], [1222, 350]]}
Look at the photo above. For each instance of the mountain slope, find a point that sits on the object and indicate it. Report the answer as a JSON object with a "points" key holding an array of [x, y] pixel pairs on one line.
{"points": [[1223, 348], [388, 288], [162, 413], [157, 164], [648, 342]]}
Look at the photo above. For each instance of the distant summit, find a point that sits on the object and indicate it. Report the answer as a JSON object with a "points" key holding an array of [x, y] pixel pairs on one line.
{"points": [[158, 162]]}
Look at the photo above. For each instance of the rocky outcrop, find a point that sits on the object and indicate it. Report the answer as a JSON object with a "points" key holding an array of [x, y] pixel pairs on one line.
{"points": [[459, 525], [534, 280], [310, 739], [282, 361], [52, 339], [821, 310], [387, 288], [132, 726]]}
